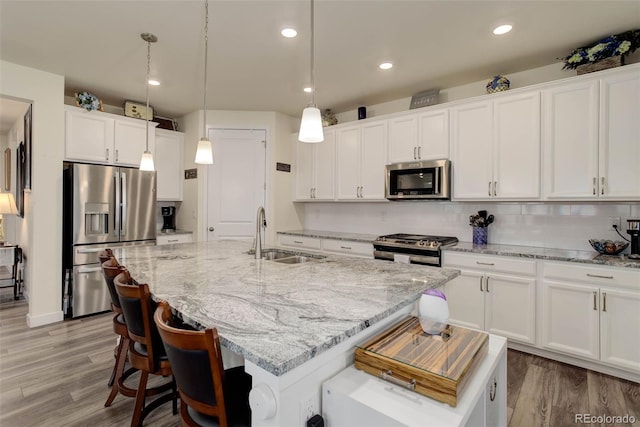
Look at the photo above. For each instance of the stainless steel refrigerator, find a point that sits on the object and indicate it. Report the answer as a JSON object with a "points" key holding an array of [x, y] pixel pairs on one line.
{"points": [[103, 207]]}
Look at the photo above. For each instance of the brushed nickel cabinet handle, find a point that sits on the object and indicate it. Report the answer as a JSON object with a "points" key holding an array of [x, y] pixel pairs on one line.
{"points": [[298, 242], [346, 247], [594, 185], [495, 191], [489, 192], [107, 151], [414, 153], [481, 290], [388, 375], [484, 263], [602, 185], [599, 276], [419, 152], [116, 155], [604, 301], [595, 300], [493, 389], [487, 284]]}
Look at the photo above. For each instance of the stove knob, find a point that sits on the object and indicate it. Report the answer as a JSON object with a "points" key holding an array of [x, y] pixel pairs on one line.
{"points": [[382, 239], [421, 243]]}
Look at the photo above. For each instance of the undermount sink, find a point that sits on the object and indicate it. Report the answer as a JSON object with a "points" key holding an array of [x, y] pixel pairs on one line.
{"points": [[288, 257]]}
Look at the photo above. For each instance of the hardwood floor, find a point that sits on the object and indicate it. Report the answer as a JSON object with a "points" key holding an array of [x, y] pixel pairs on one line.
{"points": [[56, 375]]}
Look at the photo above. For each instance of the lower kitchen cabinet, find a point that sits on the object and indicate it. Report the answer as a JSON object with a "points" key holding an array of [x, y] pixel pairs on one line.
{"points": [[333, 246], [495, 294], [301, 242], [592, 312]]}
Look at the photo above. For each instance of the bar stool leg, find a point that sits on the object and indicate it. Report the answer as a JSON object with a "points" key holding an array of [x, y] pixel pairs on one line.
{"points": [[118, 369]]}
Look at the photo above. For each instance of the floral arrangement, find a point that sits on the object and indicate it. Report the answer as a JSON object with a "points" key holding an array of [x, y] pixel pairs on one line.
{"points": [[498, 84], [619, 44], [88, 101]]}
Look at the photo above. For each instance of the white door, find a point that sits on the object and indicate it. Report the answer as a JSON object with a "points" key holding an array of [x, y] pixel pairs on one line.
{"points": [[236, 182], [373, 157], [348, 163], [620, 328], [510, 307], [403, 139], [465, 295]]}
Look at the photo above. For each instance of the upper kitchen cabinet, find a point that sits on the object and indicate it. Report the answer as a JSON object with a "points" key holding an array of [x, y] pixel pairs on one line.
{"points": [[360, 159], [591, 137], [315, 168], [495, 148], [422, 136], [168, 159], [98, 137]]}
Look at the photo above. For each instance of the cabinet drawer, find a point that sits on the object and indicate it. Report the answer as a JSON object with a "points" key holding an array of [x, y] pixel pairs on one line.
{"points": [[299, 241], [592, 274], [490, 263], [168, 239], [348, 247]]}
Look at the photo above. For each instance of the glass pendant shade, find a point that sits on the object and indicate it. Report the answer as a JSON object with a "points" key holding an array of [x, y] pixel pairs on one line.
{"points": [[146, 162], [204, 155], [311, 125]]}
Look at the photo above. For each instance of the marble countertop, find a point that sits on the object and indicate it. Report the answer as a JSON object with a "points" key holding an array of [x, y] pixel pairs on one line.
{"points": [[536, 252], [568, 255], [278, 316]]}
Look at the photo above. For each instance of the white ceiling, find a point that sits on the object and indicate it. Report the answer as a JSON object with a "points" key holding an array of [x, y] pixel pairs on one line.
{"points": [[96, 45]]}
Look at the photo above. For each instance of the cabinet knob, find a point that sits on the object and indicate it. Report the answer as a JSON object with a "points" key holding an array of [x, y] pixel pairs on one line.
{"points": [[211, 228]]}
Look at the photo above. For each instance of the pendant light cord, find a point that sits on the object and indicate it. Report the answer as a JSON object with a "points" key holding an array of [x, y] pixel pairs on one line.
{"points": [[206, 55], [313, 86], [147, 86]]}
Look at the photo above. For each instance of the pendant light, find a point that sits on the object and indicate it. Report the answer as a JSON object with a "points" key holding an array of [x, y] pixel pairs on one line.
{"points": [[204, 154], [146, 161], [311, 123]]}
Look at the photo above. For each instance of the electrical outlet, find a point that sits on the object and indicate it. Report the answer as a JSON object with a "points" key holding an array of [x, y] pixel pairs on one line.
{"points": [[614, 220], [308, 408]]}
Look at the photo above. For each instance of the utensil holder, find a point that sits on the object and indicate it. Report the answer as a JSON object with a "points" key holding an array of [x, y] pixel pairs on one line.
{"points": [[479, 235]]}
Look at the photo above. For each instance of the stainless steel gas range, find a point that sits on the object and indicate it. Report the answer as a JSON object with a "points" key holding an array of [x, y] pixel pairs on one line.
{"points": [[412, 248]]}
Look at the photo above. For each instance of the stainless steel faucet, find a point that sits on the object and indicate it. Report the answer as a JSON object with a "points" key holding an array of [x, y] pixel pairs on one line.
{"points": [[261, 222]]}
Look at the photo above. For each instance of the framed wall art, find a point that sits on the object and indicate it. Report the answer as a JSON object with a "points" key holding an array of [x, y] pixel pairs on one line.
{"points": [[20, 161]]}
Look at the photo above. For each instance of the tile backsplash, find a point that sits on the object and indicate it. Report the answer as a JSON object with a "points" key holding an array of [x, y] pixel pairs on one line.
{"points": [[552, 225]]}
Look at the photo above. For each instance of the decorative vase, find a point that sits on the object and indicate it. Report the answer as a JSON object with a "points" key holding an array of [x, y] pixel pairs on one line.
{"points": [[603, 64], [480, 236], [328, 119]]}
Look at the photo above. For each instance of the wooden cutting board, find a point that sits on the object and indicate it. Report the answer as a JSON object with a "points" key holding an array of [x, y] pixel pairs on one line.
{"points": [[437, 366]]}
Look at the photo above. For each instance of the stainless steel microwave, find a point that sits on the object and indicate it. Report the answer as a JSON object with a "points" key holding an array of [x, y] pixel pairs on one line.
{"points": [[428, 179]]}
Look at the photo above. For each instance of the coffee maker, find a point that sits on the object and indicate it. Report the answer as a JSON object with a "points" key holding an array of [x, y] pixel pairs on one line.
{"points": [[169, 219], [633, 229]]}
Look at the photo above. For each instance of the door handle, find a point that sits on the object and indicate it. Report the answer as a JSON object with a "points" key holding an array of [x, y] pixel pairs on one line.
{"points": [[116, 159], [107, 153], [604, 301], [414, 153], [89, 269], [489, 191], [495, 185], [602, 185], [487, 284], [594, 185], [123, 219], [419, 152], [595, 300], [484, 263], [211, 228], [481, 290]]}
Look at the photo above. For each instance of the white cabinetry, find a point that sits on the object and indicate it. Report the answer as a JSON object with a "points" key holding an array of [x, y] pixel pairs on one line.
{"points": [[302, 242], [592, 312], [495, 148], [315, 168], [591, 138], [168, 162], [493, 293], [334, 246], [422, 136], [360, 159], [99, 137], [168, 239]]}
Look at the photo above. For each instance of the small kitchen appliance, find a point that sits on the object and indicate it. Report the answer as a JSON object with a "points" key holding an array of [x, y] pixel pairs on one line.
{"points": [[169, 219], [633, 229], [419, 249]]}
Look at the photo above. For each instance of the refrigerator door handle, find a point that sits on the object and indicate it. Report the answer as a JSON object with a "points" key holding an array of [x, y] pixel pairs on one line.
{"points": [[91, 250], [123, 201], [89, 269], [116, 204]]}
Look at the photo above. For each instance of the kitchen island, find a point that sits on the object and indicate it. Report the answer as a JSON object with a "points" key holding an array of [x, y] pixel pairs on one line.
{"points": [[295, 325]]}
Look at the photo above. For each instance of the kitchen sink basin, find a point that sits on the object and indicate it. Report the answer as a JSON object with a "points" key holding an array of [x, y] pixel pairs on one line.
{"points": [[273, 255], [295, 259], [288, 257]]}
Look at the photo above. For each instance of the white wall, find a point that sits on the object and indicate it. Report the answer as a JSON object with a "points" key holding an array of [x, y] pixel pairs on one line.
{"points": [[551, 225], [41, 232]]}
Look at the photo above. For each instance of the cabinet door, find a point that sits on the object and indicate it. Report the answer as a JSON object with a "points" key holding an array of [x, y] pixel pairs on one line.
{"points": [[570, 319], [130, 141], [620, 328], [373, 157], [510, 307], [168, 162], [433, 135], [570, 135], [403, 138], [471, 142], [324, 170], [620, 137], [348, 163], [465, 296], [303, 169], [88, 136], [516, 147]]}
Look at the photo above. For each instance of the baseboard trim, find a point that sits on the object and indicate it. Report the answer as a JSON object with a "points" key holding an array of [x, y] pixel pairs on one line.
{"points": [[44, 319], [593, 366]]}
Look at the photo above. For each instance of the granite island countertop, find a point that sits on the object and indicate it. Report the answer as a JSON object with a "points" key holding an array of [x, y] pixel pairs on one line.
{"points": [[278, 316]]}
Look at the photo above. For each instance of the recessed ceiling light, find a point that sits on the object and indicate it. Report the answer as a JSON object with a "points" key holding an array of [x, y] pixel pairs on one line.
{"points": [[502, 29], [386, 65], [289, 33], [307, 89], [154, 82]]}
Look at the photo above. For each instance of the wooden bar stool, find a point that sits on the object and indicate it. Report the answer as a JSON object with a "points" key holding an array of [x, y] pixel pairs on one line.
{"points": [[146, 352], [110, 269], [209, 395]]}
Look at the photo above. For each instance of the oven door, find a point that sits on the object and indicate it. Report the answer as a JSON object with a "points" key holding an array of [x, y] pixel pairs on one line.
{"points": [[418, 180]]}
